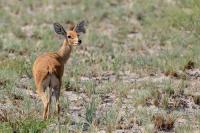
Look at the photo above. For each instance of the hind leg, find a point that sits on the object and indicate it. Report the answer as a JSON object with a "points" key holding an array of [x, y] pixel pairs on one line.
{"points": [[41, 92], [41, 86]]}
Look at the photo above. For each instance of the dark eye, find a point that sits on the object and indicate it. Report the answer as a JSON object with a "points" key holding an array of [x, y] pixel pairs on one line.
{"points": [[68, 36]]}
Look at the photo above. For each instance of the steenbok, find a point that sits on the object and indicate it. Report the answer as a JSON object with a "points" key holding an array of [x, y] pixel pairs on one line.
{"points": [[48, 68]]}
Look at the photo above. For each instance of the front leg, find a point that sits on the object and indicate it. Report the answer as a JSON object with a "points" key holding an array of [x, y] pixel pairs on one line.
{"points": [[56, 85], [57, 95], [49, 102]]}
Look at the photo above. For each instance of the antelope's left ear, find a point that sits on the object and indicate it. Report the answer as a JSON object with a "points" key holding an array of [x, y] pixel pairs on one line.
{"points": [[59, 29], [80, 27]]}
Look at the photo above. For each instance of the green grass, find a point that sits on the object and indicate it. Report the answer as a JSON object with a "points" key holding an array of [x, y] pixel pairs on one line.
{"points": [[30, 125], [91, 110]]}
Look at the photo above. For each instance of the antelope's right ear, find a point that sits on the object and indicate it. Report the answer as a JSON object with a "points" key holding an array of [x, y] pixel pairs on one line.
{"points": [[59, 29]]}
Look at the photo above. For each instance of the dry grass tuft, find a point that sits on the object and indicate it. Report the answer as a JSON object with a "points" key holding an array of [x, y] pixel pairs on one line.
{"points": [[163, 123], [189, 65]]}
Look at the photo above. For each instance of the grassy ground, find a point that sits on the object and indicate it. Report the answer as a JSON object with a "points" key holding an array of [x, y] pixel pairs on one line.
{"points": [[136, 71]]}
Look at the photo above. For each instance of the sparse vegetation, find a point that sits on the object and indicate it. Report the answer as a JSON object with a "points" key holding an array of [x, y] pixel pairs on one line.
{"points": [[138, 59]]}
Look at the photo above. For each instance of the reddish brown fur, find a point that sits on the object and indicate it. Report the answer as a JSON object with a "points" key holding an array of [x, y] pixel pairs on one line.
{"points": [[48, 71]]}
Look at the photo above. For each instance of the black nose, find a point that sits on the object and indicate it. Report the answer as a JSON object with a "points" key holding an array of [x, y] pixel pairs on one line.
{"points": [[79, 41]]}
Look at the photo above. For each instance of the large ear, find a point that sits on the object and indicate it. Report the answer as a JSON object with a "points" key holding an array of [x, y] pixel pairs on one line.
{"points": [[59, 29], [80, 27]]}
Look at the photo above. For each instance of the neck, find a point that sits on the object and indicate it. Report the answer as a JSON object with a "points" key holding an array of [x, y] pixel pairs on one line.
{"points": [[64, 51]]}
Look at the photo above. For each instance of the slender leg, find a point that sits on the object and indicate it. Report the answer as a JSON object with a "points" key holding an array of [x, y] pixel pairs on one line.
{"points": [[56, 84], [41, 93], [57, 95], [49, 102]]}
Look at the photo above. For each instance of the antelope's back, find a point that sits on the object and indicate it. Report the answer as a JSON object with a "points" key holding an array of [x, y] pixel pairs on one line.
{"points": [[48, 63]]}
